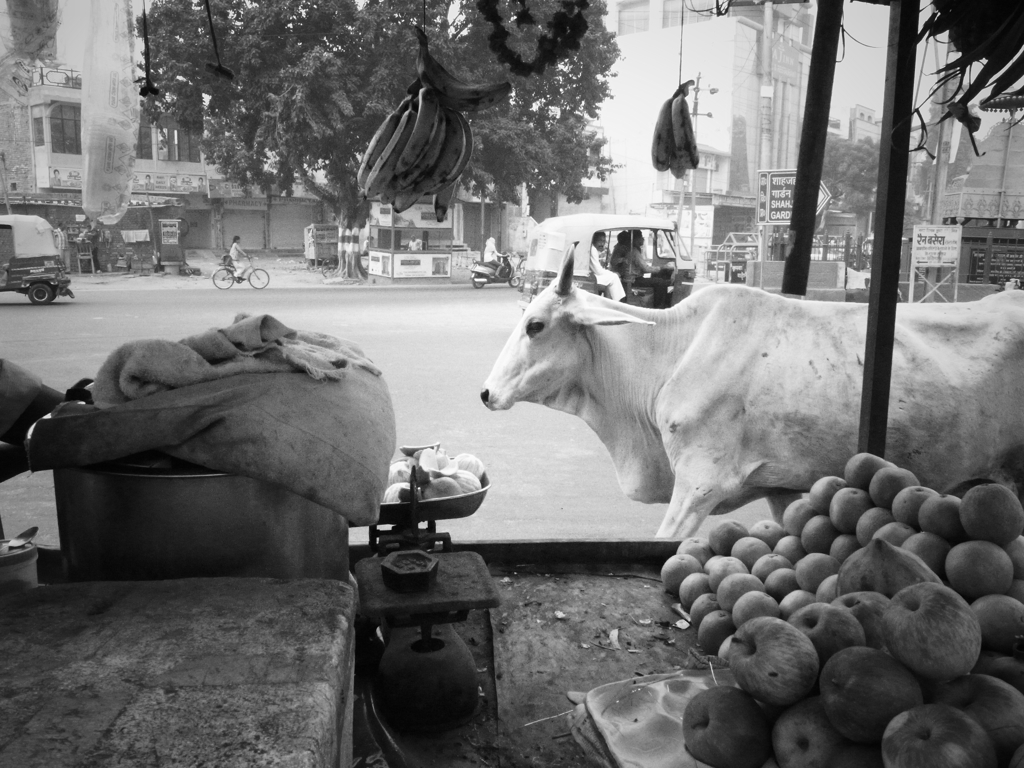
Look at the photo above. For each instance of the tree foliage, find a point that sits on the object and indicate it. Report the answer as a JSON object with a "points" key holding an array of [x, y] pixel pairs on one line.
{"points": [[313, 81], [850, 171]]}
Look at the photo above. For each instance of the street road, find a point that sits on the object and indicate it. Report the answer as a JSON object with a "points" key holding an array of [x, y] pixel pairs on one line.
{"points": [[550, 475]]}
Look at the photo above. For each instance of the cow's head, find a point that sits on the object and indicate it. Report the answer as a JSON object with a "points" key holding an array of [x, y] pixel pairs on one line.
{"points": [[541, 361]]}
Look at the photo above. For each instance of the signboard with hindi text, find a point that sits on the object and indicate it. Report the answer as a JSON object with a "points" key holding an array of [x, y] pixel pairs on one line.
{"points": [[775, 196], [936, 245]]}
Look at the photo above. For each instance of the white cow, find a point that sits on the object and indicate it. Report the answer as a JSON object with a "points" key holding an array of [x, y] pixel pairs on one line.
{"points": [[735, 394]]}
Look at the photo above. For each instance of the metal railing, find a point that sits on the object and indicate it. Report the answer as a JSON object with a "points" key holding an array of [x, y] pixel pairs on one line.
{"points": [[57, 76]]}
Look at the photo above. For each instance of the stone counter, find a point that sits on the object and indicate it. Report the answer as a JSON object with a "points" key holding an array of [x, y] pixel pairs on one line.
{"points": [[184, 673]]}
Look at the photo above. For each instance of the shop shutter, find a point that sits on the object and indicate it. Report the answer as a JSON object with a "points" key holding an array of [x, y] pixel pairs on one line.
{"points": [[246, 224], [288, 221]]}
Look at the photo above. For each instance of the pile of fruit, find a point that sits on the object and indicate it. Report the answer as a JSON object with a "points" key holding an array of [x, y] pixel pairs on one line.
{"points": [[882, 623], [674, 147], [423, 147], [437, 475]]}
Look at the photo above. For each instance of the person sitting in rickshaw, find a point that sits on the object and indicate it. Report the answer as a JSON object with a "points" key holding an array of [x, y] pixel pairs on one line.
{"points": [[610, 282]]}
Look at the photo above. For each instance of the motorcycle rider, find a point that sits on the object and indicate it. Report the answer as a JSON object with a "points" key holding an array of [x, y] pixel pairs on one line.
{"points": [[491, 257]]}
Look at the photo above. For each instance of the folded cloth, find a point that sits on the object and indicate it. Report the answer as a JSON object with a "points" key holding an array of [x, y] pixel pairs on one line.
{"points": [[328, 441], [252, 344]]}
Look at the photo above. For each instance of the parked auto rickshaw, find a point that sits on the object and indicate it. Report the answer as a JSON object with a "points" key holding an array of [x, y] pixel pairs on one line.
{"points": [[550, 239], [29, 260]]}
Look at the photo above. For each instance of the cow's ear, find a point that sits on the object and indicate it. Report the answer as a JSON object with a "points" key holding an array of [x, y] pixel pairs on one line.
{"points": [[601, 314], [565, 275]]}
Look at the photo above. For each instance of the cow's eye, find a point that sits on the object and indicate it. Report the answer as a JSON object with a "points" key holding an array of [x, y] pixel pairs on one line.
{"points": [[534, 327]]}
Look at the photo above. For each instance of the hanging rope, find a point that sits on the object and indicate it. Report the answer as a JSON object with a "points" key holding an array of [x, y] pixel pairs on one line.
{"points": [[148, 87], [566, 26], [218, 69]]}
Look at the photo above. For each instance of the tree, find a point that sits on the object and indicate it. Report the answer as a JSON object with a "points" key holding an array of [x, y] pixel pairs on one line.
{"points": [[850, 171], [314, 80]]}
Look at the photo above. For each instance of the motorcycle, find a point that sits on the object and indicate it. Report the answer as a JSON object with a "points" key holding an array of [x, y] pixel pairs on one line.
{"points": [[499, 271]]}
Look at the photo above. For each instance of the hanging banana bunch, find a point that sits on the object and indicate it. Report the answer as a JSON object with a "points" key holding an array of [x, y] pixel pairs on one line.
{"points": [[675, 147], [423, 147]]}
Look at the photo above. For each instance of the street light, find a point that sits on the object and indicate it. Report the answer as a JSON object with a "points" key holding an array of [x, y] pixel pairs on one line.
{"points": [[693, 176]]}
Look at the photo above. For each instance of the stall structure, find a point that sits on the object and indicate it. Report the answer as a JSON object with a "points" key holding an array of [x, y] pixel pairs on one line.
{"points": [[320, 245], [412, 247]]}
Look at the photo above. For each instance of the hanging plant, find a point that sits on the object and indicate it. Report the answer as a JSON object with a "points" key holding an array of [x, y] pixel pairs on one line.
{"points": [[565, 31]]}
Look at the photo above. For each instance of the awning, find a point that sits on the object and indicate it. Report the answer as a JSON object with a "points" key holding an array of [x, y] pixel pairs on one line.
{"points": [[76, 202]]}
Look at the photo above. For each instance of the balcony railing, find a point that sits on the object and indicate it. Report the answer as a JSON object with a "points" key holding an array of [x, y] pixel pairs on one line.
{"points": [[56, 76]]}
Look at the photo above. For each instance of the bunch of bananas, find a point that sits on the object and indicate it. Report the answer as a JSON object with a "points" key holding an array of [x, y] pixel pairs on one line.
{"points": [[675, 147], [423, 147]]}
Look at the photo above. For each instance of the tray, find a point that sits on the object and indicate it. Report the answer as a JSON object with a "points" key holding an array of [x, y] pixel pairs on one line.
{"points": [[447, 508]]}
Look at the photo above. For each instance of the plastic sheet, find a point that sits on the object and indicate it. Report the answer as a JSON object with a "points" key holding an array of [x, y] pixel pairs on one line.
{"points": [[110, 111]]}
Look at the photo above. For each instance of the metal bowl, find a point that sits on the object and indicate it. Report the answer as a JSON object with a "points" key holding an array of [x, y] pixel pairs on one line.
{"points": [[446, 508]]}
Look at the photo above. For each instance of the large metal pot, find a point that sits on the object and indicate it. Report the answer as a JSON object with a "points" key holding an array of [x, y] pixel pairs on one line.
{"points": [[153, 517]]}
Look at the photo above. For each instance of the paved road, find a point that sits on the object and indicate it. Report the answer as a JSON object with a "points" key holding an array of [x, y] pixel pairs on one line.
{"points": [[551, 476]]}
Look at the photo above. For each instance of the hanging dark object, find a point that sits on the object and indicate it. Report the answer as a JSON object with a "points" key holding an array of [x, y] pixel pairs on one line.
{"points": [[566, 30], [217, 69], [148, 87]]}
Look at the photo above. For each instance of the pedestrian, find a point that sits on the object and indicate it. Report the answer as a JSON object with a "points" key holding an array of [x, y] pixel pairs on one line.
{"points": [[92, 236], [60, 241]]}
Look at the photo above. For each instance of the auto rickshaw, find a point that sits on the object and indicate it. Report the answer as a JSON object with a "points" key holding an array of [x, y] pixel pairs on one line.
{"points": [[29, 260], [550, 240]]}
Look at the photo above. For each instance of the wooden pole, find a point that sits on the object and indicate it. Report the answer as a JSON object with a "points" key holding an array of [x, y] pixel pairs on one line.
{"points": [[812, 146], [898, 108]]}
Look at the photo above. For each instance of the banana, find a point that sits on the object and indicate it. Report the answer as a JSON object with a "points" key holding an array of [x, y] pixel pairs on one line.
{"points": [[405, 200], [443, 199], [467, 149], [453, 158], [428, 114], [380, 141], [453, 92], [683, 140], [410, 185], [384, 169], [663, 146]]}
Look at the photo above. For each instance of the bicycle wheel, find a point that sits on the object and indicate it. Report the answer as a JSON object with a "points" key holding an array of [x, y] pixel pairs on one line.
{"points": [[223, 278], [258, 278]]}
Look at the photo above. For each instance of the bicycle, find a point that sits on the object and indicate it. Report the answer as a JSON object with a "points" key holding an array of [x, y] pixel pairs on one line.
{"points": [[225, 276]]}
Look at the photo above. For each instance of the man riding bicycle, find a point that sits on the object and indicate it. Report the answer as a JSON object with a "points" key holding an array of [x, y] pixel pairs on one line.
{"points": [[235, 256]]}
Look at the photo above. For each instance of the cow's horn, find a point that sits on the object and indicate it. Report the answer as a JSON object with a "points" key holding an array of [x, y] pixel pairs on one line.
{"points": [[565, 277]]}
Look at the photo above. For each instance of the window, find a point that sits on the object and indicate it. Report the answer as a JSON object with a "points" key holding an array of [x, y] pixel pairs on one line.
{"points": [[167, 144], [634, 17], [188, 147], [671, 13], [38, 139], [144, 149], [66, 129]]}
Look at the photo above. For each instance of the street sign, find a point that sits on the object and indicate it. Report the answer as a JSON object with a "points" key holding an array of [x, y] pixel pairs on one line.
{"points": [[775, 196]]}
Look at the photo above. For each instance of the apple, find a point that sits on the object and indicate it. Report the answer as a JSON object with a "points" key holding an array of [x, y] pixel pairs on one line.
{"points": [[1017, 761], [870, 522], [773, 661], [1016, 590], [723, 649], [768, 531], [724, 535], [814, 569], [818, 534], [844, 546], [796, 515], [992, 512], [702, 606], [791, 548], [931, 548], [693, 586], [724, 726], [941, 514], [1015, 549], [780, 583], [995, 705], [846, 508], [749, 550], [768, 563], [1001, 619], [828, 590], [677, 568], [861, 467], [908, 502], [713, 630], [887, 482], [725, 567], [881, 567], [1009, 669], [985, 660], [977, 568], [895, 533], [862, 689], [803, 736], [932, 631], [754, 604], [936, 736], [734, 586], [696, 546], [822, 491], [867, 608], [830, 629], [794, 601], [858, 756]]}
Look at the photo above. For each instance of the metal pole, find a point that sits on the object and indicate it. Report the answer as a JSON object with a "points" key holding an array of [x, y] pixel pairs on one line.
{"points": [[693, 176], [3, 180], [898, 108]]}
